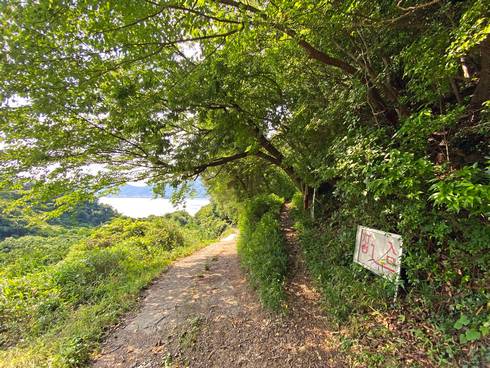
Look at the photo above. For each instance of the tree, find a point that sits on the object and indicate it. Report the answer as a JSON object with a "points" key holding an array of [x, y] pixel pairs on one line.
{"points": [[164, 90]]}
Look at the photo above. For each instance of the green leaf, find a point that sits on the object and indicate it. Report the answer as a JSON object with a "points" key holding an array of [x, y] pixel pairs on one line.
{"points": [[472, 335], [461, 322], [484, 330]]}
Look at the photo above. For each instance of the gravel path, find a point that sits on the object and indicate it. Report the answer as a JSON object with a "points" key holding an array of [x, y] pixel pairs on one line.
{"points": [[202, 313]]}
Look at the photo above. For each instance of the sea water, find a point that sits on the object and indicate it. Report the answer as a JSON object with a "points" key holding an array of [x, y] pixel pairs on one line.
{"points": [[144, 207]]}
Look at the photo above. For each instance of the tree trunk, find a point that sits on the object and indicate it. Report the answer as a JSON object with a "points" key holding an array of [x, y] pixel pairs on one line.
{"points": [[482, 90], [393, 110], [307, 197], [379, 105]]}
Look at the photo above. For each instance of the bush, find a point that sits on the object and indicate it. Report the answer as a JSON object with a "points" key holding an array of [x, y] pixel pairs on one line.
{"points": [[442, 215], [345, 287], [261, 249], [57, 295], [155, 234], [27, 254], [210, 221], [79, 276], [181, 217]]}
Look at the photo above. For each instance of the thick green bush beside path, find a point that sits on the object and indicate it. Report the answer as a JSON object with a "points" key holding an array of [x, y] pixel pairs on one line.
{"points": [[261, 248], [430, 325], [58, 295]]}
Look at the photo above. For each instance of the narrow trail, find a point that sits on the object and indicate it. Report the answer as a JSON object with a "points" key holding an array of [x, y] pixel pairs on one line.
{"points": [[202, 313]]}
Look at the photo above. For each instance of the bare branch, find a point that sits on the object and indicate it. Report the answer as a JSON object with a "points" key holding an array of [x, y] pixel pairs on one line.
{"points": [[417, 7], [411, 10]]}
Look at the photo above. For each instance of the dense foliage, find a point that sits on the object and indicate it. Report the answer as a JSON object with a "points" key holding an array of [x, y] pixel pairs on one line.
{"points": [[59, 293], [261, 249], [15, 223], [125, 88], [441, 316], [211, 221], [12, 226], [85, 214]]}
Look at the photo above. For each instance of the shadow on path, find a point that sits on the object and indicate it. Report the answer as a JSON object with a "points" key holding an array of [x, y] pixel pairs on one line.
{"points": [[202, 313]]}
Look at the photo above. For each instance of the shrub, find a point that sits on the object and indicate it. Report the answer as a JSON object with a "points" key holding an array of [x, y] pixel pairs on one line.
{"points": [[57, 295], [78, 276], [442, 215], [346, 288], [210, 222], [27, 254], [152, 235], [261, 249]]}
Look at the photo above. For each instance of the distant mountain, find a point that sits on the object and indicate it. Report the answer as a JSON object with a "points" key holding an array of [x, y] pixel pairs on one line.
{"points": [[136, 191]]}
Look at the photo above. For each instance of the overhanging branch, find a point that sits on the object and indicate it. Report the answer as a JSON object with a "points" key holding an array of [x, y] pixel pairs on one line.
{"points": [[312, 51], [196, 170]]}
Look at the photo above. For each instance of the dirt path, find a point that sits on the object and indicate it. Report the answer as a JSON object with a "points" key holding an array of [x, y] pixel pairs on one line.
{"points": [[202, 313]]}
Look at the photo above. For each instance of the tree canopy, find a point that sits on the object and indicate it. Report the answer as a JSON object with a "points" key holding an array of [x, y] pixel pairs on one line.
{"points": [[115, 91]]}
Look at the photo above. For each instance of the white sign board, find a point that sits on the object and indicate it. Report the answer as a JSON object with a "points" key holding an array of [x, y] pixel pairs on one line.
{"points": [[379, 252]]}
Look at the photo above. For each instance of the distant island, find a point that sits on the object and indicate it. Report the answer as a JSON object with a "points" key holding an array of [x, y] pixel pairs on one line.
{"points": [[146, 191]]}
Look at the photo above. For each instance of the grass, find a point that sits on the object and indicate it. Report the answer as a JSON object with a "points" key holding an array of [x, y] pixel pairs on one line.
{"points": [[189, 337], [207, 267], [54, 313], [261, 249]]}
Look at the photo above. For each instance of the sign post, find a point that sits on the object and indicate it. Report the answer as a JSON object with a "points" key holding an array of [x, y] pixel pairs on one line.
{"points": [[380, 252]]}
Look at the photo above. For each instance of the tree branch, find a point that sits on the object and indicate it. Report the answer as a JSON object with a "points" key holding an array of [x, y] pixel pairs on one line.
{"points": [[217, 162], [410, 11], [204, 15], [271, 159], [312, 51], [183, 40]]}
